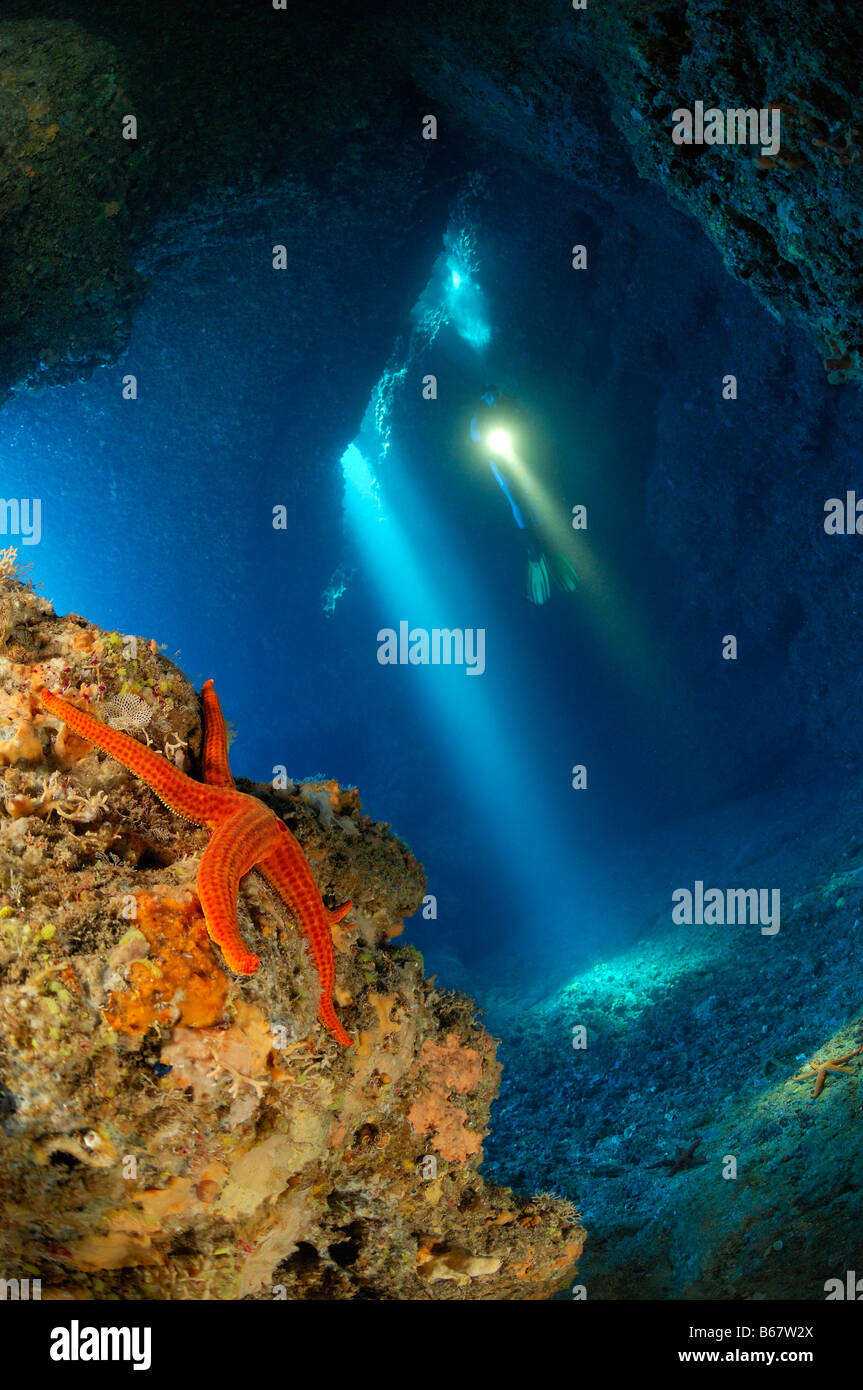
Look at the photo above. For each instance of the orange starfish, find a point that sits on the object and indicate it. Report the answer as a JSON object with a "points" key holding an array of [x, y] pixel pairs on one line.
{"points": [[820, 1069], [246, 835]]}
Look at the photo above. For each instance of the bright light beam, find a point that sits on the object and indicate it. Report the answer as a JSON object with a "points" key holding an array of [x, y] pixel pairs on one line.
{"points": [[619, 624], [500, 442], [418, 576]]}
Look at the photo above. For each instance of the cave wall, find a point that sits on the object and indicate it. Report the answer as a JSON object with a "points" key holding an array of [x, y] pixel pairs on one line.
{"points": [[311, 109], [555, 84], [302, 127], [254, 128]]}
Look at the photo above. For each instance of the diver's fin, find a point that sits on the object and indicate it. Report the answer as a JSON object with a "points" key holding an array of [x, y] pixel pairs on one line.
{"points": [[538, 585], [565, 577], [335, 914]]}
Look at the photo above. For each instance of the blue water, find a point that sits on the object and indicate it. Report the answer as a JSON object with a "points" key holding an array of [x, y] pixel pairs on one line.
{"points": [[158, 520]]}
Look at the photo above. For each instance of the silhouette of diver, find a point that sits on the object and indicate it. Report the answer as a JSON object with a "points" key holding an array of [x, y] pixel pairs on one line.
{"points": [[494, 426]]}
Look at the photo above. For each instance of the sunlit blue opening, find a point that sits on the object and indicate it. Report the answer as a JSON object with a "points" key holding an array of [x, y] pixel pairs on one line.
{"points": [[465, 305], [421, 568], [358, 475]]}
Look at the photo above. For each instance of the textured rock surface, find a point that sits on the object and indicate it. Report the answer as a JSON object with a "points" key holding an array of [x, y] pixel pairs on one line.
{"points": [[326, 151], [553, 85], [788, 224], [694, 1035], [67, 288], [170, 1130]]}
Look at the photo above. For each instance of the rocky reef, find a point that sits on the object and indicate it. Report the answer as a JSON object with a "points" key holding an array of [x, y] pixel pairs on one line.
{"points": [[787, 223], [711, 1156], [170, 1130]]}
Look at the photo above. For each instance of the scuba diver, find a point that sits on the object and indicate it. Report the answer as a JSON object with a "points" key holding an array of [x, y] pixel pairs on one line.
{"points": [[494, 426]]}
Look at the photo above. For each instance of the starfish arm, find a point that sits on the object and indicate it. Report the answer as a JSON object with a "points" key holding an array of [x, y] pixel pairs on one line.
{"points": [[245, 834], [214, 758], [234, 849], [820, 1069], [287, 870], [180, 793], [327, 1016]]}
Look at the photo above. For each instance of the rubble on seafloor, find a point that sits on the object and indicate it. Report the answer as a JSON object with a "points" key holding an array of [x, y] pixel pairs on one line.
{"points": [[170, 1130]]}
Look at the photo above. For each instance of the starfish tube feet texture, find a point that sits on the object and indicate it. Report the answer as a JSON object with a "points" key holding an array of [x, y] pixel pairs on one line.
{"points": [[232, 852], [291, 877], [181, 794], [327, 1016], [246, 834], [215, 767]]}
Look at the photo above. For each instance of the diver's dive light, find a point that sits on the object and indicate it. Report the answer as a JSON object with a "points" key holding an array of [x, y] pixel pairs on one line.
{"points": [[501, 442]]}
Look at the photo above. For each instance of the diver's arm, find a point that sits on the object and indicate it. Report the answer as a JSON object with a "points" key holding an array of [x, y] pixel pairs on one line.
{"points": [[475, 432]]}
